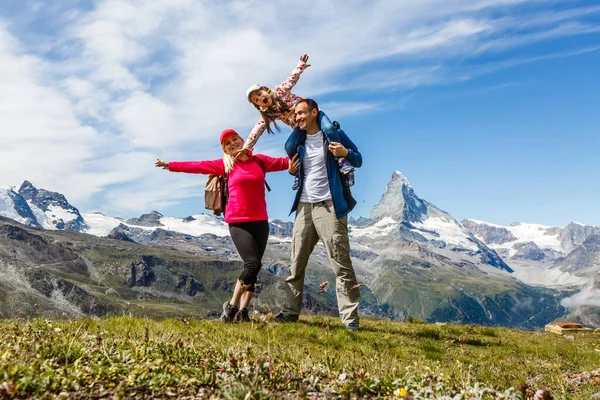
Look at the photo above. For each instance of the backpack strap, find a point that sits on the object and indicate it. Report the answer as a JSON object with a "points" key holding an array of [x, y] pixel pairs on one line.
{"points": [[262, 166], [225, 190]]}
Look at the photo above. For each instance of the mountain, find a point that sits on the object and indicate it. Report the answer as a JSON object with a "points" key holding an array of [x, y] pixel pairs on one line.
{"points": [[14, 206], [538, 243], [534, 251], [67, 273], [151, 219], [583, 260], [546, 256], [413, 258], [42, 208], [400, 213], [425, 263]]}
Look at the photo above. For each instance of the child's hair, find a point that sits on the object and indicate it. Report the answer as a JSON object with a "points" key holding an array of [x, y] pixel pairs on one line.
{"points": [[270, 114]]}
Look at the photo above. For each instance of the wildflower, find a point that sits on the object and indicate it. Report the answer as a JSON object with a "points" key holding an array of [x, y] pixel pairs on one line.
{"points": [[322, 286], [401, 392]]}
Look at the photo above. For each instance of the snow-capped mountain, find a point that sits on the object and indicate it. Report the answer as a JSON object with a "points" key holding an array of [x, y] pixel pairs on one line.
{"points": [[401, 213], [14, 206], [584, 260], [51, 209], [194, 225], [531, 241], [542, 255], [412, 257]]}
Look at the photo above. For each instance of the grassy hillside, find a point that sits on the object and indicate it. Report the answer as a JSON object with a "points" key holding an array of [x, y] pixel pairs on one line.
{"points": [[315, 358]]}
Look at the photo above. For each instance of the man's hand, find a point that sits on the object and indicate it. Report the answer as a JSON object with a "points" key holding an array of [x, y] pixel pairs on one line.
{"points": [[293, 164], [162, 164], [305, 59], [241, 153], [338, 149]]}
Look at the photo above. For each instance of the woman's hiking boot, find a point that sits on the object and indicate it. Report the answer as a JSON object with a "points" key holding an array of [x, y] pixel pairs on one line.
{"points": [[242, 315], [229, 312]]}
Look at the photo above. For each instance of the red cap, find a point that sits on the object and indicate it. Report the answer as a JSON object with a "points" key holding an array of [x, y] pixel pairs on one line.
{"points": [[225, 133]]}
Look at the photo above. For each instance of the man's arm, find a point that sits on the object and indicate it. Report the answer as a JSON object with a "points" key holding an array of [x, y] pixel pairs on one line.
{"points": [[347, 149]]}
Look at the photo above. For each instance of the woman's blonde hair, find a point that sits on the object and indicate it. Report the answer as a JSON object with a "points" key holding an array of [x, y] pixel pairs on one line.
{"points": [[228, 160]]}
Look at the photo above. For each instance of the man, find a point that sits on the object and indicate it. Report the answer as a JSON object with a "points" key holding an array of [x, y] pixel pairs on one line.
{"points": [[322, 203]]}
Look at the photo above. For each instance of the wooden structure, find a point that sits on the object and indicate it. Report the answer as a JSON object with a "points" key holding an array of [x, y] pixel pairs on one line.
{"points": [[566, 327]]}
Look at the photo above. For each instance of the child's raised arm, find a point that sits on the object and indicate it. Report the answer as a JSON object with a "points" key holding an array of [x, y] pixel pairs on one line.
{"points": [[291, 81], [279, 91], [255, 133]]}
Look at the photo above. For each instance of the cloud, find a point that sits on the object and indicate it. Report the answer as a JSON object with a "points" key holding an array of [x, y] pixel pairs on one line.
{"points": [[91, 95], [589, 296]]}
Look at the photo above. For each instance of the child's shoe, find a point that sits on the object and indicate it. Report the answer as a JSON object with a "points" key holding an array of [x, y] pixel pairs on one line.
{"points": [[296, 184], [345, 166], [350, 176]]}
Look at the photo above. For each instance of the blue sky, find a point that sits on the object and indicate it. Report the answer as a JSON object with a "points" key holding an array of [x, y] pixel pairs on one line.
{"points": [[489, 107]]}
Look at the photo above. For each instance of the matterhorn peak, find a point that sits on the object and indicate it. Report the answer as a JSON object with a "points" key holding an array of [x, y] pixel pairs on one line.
{"points": [[399, 202], [399, 176]]}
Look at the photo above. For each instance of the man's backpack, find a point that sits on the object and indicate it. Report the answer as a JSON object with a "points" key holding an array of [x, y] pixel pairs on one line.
{"points": [[216, 191]]}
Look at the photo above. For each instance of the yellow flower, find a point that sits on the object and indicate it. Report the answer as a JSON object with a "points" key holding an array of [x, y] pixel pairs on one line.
{"points": [[400, 392]]}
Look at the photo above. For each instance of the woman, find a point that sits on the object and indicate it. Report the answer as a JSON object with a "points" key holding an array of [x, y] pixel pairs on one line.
{"points": [[246, 210]]}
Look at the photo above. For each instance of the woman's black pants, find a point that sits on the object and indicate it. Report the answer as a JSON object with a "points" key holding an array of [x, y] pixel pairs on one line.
{"points": [[250, 239]]}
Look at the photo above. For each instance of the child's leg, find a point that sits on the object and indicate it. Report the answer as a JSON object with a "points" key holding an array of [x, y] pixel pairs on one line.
{"points": [[327, 128], [333, 136]]}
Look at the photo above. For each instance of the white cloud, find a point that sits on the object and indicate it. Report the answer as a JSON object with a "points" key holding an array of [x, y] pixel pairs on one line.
{"points": [[90, 103], [589, 296]]}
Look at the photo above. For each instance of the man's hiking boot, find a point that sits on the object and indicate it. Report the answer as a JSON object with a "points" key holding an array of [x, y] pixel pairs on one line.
{"points": [[242, 315], [229, 312], [281, 317]]}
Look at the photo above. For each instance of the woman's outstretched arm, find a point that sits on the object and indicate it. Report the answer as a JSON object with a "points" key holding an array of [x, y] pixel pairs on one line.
{"points": [[208, 167]]}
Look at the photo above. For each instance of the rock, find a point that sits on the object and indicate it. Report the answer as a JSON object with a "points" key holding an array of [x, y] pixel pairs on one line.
{"points": [[489, 234], [281, 229], [142, 273], [529, 251], [149, 220]]}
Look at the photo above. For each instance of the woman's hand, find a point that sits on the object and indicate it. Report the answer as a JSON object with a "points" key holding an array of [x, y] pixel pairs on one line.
{"points": [[162, 164], [338, 149], [293, 164], [304, 59]]}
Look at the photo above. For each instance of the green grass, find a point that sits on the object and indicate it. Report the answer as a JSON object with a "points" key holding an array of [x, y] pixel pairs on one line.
{"points": [[139, 358]]}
